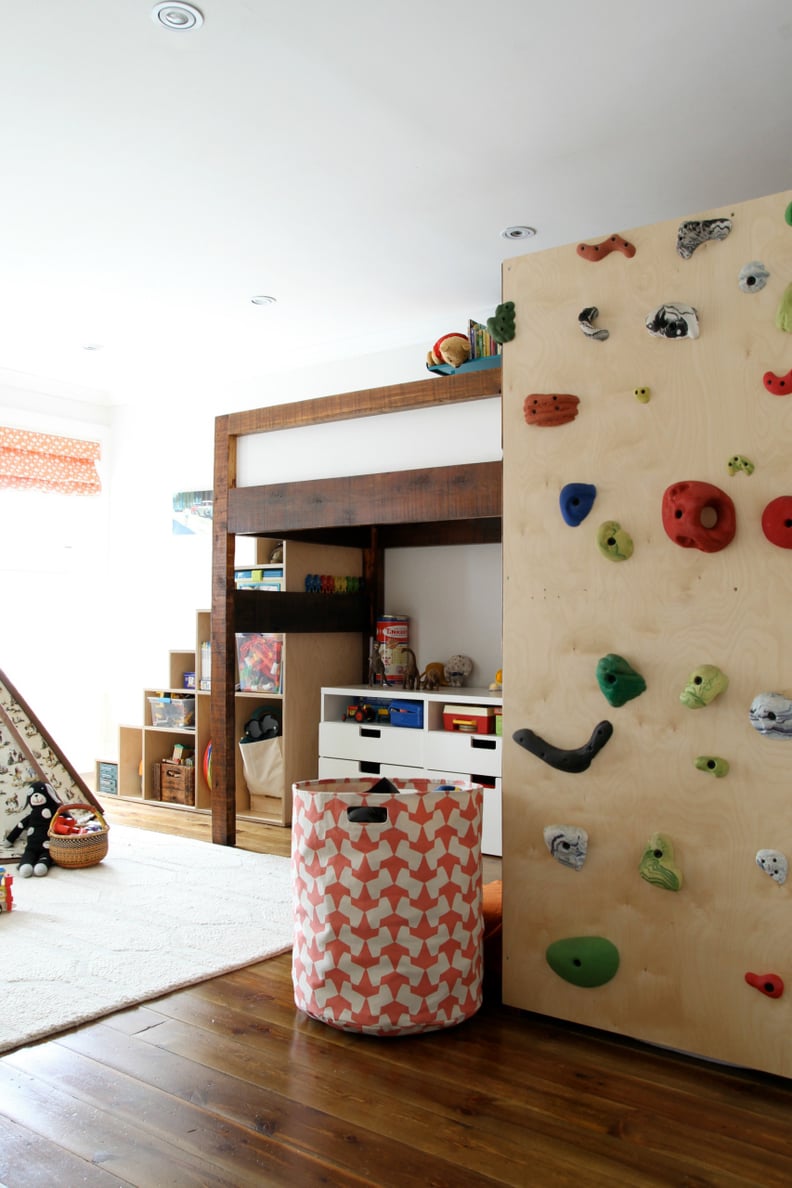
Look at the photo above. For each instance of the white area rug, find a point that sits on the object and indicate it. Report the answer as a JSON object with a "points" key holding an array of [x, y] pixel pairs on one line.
{"points": [[158, 913]]}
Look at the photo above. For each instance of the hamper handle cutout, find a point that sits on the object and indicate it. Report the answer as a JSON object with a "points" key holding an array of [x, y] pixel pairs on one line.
{"points": [[368, 814]]}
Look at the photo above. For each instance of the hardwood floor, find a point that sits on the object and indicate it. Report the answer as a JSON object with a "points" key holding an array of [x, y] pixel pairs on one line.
{"points": [[226, 1084]]}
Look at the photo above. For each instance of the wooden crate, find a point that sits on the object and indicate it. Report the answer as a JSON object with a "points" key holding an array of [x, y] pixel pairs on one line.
{"points": [[174, 783]]}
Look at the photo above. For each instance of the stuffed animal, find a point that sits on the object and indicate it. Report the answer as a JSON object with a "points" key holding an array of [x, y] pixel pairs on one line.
{"points": [[453, 349], [42, 804]]}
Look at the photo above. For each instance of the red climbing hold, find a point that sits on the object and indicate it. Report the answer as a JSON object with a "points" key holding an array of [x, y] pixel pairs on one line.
{"points": [[779, 385], [770, 984], [699, 515], [777, 521]]}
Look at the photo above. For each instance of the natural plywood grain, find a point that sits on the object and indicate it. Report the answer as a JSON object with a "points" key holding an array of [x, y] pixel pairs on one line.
{"points": [[667, 610]]}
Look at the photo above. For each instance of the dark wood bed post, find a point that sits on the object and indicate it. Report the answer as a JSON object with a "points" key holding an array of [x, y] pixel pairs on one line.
{"points": [[221, 717]]}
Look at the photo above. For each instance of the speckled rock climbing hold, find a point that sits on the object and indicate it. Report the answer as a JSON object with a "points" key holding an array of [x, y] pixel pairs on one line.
{"points": [[704, 684], [673, 321], [773, 863], [783, 318], [613, 542], [713, 764], [777, 521], [770, 984], [561, 758], [657, 865], [738, 463], [598, 251], [771, 715], [586, 319], [553, 408], [778, 385], [753, 277], [643, 394], [501, 324], [618, 680], [568, 844], [695, 232], [586, 961], [576, 501], [698, 515]]}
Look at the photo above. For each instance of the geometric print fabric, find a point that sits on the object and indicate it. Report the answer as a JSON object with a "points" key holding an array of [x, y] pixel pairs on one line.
{"points": [[388, 924]]}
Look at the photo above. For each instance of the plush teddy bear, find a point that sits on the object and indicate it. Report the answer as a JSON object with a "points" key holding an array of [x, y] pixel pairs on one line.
{"points": [[42, 804], [452, 349]]}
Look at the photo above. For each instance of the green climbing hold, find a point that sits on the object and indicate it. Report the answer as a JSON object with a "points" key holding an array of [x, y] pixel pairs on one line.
{"points": [[583, 960], [788, 214], [618, 680], [614, 543], [642, 394], [783, 318], [704, 684], [501, 325], [713, 764], [738, 462], [657, 865]]}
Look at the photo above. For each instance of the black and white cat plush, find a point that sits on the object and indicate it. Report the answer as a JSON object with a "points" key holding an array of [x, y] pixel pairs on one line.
{"points": [[42, 804]]}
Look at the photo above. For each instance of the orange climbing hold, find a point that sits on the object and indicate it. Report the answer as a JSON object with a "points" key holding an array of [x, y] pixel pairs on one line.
{"points": [[598, 251]]}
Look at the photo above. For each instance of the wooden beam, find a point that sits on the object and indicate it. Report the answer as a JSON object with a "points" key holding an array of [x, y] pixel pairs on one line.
{"points": [[221, 713], [370, 402], [457, 493], [261, 610]]}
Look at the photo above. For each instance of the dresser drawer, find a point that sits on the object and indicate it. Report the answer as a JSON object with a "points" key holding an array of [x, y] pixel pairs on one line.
{"points": [[373, 742], [361, 769], [447, 751]]}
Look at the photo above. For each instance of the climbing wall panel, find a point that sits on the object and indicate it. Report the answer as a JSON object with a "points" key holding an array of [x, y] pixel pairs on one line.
{"points": [[667, 610]]}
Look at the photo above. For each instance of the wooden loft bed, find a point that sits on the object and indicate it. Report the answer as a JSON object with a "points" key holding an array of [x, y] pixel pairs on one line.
{"points": [[440, 505]]}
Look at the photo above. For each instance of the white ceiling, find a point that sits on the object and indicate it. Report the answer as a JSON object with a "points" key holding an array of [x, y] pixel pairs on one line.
{"points": [[356, 160]]}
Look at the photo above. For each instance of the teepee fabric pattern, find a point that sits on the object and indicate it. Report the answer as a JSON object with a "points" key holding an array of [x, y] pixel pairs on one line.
{"points": [[388, 914]]}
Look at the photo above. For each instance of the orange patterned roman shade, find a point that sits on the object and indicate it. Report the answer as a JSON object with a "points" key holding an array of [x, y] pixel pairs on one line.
{"points": [[48, 462]]}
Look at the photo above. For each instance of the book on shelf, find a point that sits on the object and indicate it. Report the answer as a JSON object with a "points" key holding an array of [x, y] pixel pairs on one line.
{"points": [[482, 344]]}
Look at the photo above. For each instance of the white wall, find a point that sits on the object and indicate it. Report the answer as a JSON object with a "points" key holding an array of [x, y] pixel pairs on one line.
{"points": [[133, 590], [54, 581]]}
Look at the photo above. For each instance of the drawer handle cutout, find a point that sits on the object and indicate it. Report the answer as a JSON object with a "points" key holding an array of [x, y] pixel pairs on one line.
{"points": [[368, 733], [486, 744]]}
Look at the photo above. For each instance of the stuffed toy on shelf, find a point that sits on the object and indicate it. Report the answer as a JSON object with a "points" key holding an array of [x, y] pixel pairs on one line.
{"points": [[42, 804]]}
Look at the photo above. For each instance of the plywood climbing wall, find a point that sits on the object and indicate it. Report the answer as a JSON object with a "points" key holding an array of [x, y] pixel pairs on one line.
{"points": [[667, 610]]}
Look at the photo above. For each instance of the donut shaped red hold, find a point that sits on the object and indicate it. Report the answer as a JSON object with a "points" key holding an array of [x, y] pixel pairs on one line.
{"points": [[777, 521], [551, 409], [699, 516], [779, 385]]}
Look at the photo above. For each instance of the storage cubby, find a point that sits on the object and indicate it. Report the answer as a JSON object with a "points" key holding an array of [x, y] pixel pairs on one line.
{"points": [[143, 747]]}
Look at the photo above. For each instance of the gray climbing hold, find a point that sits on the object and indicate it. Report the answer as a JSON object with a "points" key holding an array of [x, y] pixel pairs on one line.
{"points": [[568, 844], [586, 319], [695, 232]]}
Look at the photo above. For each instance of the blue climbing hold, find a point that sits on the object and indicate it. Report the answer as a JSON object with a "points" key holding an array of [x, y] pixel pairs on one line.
{"points": [[576, 500]]}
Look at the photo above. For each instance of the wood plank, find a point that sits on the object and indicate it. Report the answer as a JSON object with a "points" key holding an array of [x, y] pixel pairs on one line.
{"points": [[455, 493], [27, 1158], [532, 1096], [261, 610], [241, 1093], [452, 389]]}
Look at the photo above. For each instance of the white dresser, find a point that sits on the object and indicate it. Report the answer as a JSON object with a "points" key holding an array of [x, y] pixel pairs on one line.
{"points": [[372, 746]]}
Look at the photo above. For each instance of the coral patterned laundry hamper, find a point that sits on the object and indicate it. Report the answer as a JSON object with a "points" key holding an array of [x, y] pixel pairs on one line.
{"points": [[388, 936]]}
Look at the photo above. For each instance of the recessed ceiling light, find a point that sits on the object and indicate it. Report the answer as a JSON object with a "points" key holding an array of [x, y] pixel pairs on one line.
{"points": [[177, 16], [262, 300], [92, 346], [518, 232]]}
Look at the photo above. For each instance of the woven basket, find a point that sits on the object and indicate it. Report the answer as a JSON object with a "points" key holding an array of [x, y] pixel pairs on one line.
{"points": [[78, 849]]}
